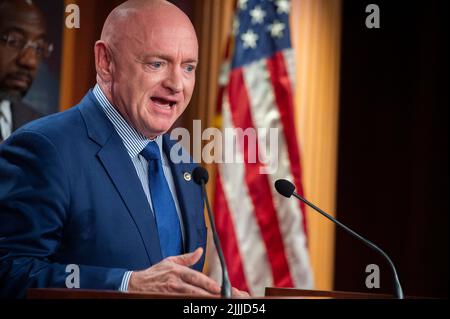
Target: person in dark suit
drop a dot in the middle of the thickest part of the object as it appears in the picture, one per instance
(94, 187)
(22, 48)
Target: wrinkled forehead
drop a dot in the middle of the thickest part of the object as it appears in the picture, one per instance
(163, 40)
(167, 35)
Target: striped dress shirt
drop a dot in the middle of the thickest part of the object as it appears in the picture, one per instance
(5, 119)
(134, 143)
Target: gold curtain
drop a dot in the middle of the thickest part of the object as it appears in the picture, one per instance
(78, 65)
(316, 26)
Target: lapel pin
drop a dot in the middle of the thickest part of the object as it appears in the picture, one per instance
(187, 176)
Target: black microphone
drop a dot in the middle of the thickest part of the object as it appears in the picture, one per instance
(287, 189)
(200, 176)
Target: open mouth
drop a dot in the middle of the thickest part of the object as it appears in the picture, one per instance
(162, 102)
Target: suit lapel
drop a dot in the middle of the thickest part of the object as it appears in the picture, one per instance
(191, 204)
(119, 167)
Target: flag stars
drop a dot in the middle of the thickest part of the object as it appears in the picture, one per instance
(276, 29)
(249, 39)
(283, 6)
(242, 4)
(257, 15)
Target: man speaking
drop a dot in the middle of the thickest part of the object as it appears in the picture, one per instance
(95, 187)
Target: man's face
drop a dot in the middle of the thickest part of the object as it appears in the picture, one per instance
(21, 22)
(153, 76)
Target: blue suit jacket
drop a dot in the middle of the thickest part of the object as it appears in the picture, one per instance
(69, 194)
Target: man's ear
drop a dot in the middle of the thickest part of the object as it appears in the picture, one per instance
(103, 62)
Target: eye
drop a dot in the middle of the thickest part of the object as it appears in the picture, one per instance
(16, 41)
(156, 65)
(41, 49)
(190, 68)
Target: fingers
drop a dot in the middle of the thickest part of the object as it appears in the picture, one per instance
(174, 275)
(200, 280)
(191, 278)
(239, 293)
(188, 289)
(187, 259)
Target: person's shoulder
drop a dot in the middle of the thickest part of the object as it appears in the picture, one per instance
(45, 135)
(61, 125)
(54, 125)
(26, 110)
(23, 113)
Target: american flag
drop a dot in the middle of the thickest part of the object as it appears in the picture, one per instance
(263, 235)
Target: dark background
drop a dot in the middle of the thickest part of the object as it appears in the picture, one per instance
(393, 146)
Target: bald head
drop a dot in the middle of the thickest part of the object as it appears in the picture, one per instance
(138, 19)
(145, 61)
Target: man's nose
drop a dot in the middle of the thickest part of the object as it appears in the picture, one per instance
(174, 81)
(28, 59)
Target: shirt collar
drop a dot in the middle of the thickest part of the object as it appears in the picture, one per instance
(134, 141)
(5, 111)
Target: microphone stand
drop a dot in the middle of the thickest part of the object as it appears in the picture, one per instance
(226, 286)
(398, 288)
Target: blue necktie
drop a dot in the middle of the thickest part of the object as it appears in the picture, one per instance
(163, 205)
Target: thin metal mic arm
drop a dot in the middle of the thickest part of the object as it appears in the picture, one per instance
(398, 288)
